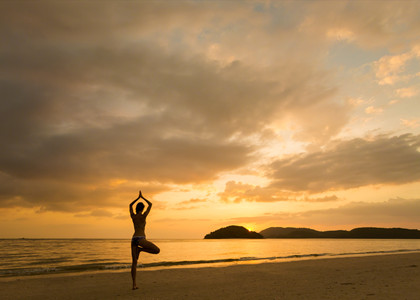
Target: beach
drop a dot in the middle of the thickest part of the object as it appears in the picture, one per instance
(395, 276)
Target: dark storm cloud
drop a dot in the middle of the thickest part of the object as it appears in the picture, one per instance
(349, 164)
(59, 119)
(95, 92)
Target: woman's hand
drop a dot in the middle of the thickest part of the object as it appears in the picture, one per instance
(141, 196)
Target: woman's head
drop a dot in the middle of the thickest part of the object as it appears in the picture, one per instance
(139, 207)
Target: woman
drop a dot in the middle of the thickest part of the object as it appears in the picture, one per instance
(139, 242)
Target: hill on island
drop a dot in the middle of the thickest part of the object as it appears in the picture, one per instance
(239, 232)
(362, 232)
(233, 232)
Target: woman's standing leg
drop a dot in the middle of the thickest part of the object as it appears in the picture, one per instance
(135, 251)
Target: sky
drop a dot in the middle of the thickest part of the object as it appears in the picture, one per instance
(251, 113)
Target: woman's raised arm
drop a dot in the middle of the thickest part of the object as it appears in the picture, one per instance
(149, 207)
(132, 203)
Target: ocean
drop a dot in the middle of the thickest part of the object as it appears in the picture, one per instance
(26, 257)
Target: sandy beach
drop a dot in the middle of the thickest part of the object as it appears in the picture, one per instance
(395, 276)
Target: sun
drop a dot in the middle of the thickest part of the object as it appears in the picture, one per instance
(250, 227)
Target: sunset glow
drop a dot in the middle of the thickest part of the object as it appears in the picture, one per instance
(252, 113)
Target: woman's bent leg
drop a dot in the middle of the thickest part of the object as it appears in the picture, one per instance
(148, 247)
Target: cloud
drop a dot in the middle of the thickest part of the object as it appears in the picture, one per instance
(343, 165)
(328, 198)
(92, 94)
(190, 204)
(356, 101)
(238, 192)
(340, 34)
(193, 201)
(365, 24)
(349, 164)
(406, 92)
(371, 110)
(96, 213)
(391, 69)
(98, 93)
(394, 212)
(61, 195)
(413, 123)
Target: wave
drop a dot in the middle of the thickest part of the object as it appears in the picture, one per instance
(103, 266)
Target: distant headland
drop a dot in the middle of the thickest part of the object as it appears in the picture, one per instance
(233, 231)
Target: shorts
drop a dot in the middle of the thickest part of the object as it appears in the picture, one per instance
(136, 240)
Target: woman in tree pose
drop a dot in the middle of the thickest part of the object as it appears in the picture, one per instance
(139, 242)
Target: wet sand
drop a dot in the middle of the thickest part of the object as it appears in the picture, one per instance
(395, 276)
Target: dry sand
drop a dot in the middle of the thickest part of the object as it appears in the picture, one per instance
(395, 276)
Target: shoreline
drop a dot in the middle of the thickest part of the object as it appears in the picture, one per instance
(204, 264)
(384, 276)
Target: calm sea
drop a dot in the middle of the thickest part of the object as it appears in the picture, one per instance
(20, 257)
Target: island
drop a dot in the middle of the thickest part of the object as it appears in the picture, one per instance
(233, 232)
(240, 232)
(356, 233)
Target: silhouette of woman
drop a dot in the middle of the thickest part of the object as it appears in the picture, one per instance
(139, 242)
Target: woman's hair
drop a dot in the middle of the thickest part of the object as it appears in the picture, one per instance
(139, 207)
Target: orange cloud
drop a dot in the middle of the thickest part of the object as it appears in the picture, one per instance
(398, 212)
(349, 164)
(101, 100)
